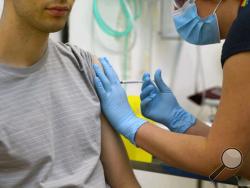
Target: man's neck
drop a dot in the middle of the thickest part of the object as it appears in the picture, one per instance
(21, 46)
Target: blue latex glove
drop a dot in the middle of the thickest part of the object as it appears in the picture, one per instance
(159, 104)
(114, 102)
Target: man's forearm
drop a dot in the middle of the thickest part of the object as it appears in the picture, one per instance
(199, 129)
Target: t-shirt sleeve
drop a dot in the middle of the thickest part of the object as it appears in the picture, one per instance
(238, 39)
(85, 61)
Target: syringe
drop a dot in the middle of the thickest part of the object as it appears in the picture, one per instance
(131, 82)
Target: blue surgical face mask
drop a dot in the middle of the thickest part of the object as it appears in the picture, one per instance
(194, 29)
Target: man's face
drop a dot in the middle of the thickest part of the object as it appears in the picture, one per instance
(44, 15)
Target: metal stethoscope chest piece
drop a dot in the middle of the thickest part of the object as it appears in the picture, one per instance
(231, 159)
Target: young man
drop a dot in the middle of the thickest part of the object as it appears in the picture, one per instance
(201, 149)
(52, 133)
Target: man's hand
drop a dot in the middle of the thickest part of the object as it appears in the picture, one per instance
(114, 101)
(159, 104)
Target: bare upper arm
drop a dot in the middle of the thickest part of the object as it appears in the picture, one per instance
(231, 128)
(118, 171)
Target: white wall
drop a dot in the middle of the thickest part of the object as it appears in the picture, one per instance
(1, 6)
(85, 33)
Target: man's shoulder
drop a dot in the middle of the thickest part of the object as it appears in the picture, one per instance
(66, 47)
(69, 49)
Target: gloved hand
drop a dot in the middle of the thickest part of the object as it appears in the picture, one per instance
(114, 102)
(159, 104)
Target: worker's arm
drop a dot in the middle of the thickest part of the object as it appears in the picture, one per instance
(244, 171)
(230, 130)
(192, 153)
(199, 129)
(117, 169)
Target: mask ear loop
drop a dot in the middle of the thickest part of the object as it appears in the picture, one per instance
(214, 13)
(216, 8)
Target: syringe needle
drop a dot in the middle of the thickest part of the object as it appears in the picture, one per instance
(131, 82)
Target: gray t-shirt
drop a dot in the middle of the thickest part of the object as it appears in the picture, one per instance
(50, 134)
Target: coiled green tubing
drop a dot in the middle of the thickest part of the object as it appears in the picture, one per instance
(129, 19)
